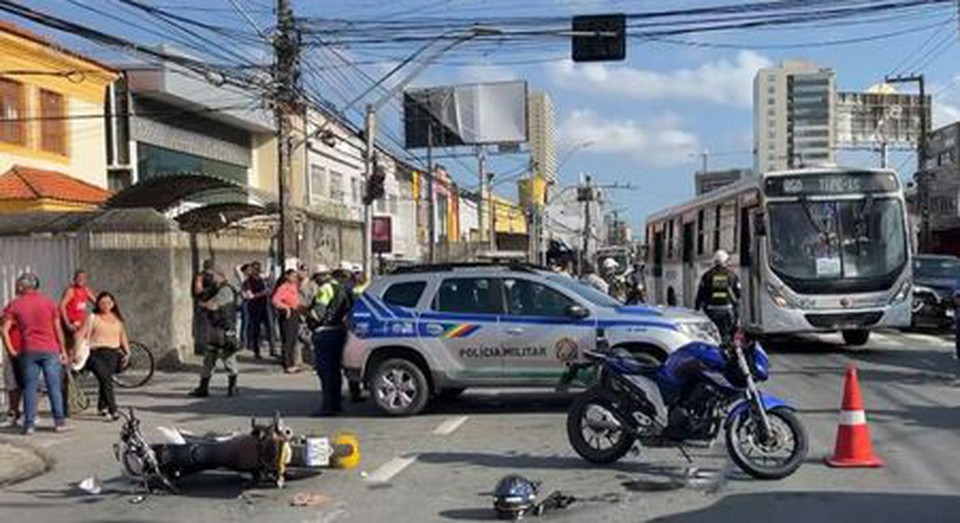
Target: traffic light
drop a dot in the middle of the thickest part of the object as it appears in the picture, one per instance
(374, 189)
(599, 38)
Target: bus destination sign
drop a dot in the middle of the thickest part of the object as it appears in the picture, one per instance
(830, 183)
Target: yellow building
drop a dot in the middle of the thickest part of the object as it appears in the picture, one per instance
(509, 218)
(51, 107)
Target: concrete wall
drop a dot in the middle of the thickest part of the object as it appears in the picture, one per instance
(151, 274)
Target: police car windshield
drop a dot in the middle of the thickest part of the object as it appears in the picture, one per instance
(585, 291)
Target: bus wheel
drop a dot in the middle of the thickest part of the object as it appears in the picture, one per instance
(856, 337)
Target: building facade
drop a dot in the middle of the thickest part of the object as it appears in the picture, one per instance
(793, 116)
(708, 181)
(542, 135)
(51, 105)
(171, 122)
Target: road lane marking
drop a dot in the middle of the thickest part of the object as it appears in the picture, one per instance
(450, 425)
(390, 469)
(923, 338)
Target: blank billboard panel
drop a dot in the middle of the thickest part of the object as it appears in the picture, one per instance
(491, 113)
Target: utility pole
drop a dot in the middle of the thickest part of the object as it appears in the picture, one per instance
(286, 47)
(370, 130)
(922, 177)
(481, 173)
(492, 211)
(587, 195)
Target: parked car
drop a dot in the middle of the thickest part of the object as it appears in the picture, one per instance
(934, 278)
(437, 330)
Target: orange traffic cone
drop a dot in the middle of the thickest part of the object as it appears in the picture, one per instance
(853, 447)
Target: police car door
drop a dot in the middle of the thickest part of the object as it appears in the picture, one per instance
(539, 336)
(463, 327)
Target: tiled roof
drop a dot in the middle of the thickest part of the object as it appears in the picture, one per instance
(25, 183)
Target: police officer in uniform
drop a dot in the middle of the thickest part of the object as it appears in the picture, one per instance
(221, 340)
(328, 320)
(719, 295)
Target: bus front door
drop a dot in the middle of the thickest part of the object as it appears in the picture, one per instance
(689, 267)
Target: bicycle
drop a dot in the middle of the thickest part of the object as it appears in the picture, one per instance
(137, 372)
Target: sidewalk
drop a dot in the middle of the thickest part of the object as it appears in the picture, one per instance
(19, 462)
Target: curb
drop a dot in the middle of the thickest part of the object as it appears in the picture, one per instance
(36, 462)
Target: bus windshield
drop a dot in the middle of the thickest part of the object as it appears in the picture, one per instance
(837, 239)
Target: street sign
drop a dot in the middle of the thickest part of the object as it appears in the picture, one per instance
(599, 38)
(382, 234)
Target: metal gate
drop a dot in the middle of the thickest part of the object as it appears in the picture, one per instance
(53, 259)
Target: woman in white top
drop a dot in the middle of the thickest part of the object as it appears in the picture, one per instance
(109, 349)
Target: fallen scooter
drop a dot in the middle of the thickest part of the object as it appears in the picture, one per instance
(269, 452)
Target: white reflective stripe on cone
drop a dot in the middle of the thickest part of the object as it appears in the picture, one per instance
(853, 417)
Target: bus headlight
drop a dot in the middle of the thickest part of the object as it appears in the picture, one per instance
(779, 298)
(902, 293)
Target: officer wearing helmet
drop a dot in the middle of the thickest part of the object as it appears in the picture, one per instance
(719, 295)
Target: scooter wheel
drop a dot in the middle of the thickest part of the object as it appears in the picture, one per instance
(346, 453)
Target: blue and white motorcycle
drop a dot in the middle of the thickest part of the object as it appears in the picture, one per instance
(699, 391)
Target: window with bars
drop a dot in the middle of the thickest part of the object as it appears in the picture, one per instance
(336, 186)
(53, 123)
(12, 112)
(317, 189)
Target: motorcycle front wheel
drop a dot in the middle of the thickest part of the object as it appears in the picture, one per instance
(597, 429)
(777, 457)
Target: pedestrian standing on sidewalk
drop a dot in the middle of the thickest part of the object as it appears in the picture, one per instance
(12, 377)
(75, 303)
(256, 295)
(286, 299)
(38, 320)
(202, 290)
(222, 341)
(106, 335)
(329, 336)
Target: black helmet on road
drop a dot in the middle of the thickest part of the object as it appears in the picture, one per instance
(514, 496)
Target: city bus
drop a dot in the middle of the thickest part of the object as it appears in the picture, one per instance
(817, 250)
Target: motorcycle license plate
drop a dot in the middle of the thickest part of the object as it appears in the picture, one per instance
(949, 313)
(317, 452)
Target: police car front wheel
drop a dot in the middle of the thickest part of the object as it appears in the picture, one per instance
(399, 387)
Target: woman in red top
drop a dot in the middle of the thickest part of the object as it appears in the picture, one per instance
(286, 299)
(75, 302)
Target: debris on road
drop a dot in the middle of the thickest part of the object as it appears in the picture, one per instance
(310, 499)
(91, 485)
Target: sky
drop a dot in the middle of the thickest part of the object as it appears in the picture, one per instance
(646, 119)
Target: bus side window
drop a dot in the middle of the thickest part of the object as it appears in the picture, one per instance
(745, 237)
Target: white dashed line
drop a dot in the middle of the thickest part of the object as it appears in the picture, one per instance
(390, 469)
(449, 425)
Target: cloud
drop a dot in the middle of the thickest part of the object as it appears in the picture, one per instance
(481, 73)
(660, 142)
(945, 105)
(720, 81)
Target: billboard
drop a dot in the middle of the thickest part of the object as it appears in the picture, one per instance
(473, 114)
(874, 118)
(381, 234)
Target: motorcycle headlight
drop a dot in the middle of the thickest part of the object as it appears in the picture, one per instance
(780, 299)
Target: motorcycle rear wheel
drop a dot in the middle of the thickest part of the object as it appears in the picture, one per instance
(785, 424)
(595, 419)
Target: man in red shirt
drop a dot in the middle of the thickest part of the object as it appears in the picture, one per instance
(38, 321)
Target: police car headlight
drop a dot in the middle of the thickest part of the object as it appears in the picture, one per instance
(903, 292)
(701, 331)
(779, 298)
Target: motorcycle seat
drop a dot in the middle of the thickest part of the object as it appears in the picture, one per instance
(210, 437)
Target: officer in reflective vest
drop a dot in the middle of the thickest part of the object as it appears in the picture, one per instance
(327, 320)
(719, 295)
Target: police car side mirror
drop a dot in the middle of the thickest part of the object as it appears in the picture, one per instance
(577, 312)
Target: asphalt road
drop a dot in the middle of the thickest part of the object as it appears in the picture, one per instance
(441, 465)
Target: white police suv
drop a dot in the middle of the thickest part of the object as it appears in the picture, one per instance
(439, 329)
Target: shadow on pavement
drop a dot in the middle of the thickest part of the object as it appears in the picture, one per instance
(824, 507)
(515, 461)
(263, 402)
